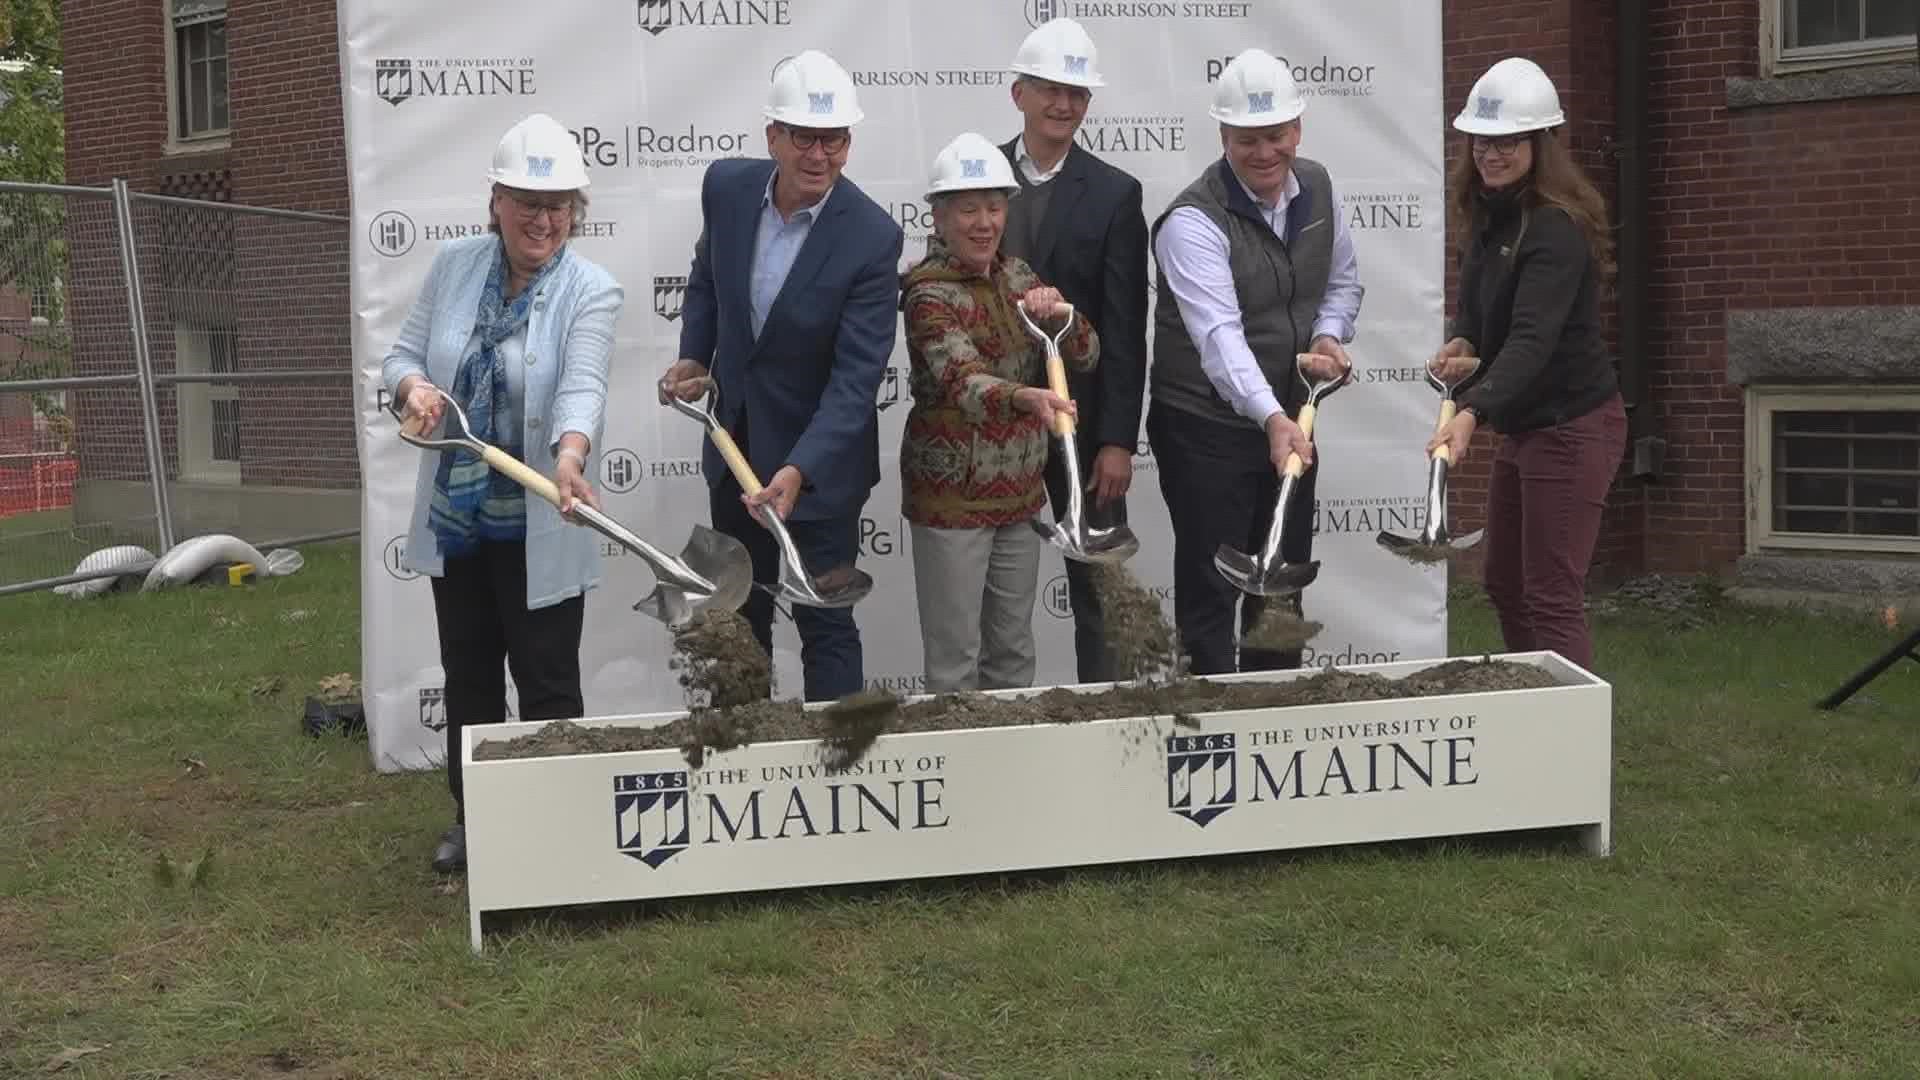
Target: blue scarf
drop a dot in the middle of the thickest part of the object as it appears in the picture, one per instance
(471, 502)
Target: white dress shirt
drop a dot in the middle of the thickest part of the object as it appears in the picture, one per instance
(1031, 169)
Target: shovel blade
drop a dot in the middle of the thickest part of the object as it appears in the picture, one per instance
(715, 556)
(722, 560)
(1111, 545)
(1467, 541)
(841, 587)
(1394, 541)
(1280, 579)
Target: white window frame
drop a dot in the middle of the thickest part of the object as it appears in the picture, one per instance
(198, 11)
(1762, 403)
(193, 405)
(1777, 59)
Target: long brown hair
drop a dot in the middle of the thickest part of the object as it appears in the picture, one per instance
(1558, 181)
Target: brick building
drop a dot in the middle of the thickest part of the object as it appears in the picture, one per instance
(220, 103)
(1760, 154)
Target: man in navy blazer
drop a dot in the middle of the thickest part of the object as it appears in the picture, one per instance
(792, 308)
(1078, 222)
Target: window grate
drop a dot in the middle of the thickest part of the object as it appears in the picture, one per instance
(1851, 473)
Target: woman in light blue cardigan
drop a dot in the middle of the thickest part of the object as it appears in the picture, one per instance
(517, 327)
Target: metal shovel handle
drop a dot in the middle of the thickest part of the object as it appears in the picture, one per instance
(1056, 367)
(1447, 407)
(458, 433)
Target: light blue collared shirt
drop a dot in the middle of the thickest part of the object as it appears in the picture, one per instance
(1192, 251)
(776, 244)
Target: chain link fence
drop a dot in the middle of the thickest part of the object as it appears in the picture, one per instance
(168, 368)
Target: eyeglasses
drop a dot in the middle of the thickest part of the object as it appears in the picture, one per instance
(530, 209)
(830, 142)
(1504, 145)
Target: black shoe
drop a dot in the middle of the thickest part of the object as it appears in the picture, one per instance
(451, 856)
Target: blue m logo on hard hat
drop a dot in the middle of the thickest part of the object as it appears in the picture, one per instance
(973, 168)
(1260, 102)
(539, 166)
(1487, 108)
(1075, 65)
(819, 103)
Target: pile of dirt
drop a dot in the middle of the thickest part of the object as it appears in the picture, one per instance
(850, 726)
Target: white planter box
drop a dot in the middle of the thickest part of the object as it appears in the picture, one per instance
(546, 832)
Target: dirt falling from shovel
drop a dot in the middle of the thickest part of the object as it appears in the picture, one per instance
(1281, 629)
(1140, 641)
(721, 663)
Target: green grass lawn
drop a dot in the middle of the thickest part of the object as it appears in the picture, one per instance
(1759, 917)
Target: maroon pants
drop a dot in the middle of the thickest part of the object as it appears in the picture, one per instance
(1543, 520)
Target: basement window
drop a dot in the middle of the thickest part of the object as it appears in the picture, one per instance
(1836, 470)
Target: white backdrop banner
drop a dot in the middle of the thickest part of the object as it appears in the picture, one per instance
(655, 90)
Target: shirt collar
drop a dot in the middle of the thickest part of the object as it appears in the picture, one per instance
(1287, 192)
(1032, 167)
(812, 212)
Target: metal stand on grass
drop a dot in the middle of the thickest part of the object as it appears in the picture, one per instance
(1910, 648)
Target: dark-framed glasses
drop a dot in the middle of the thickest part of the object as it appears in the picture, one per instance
(830, 141)
(1504, 145)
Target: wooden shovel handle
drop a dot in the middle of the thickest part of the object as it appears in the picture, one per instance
(1294, 466)
(1447, 412)
(736, 461)
(1057, 382)
(522, 473)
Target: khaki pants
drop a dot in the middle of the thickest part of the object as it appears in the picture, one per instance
(976, 589)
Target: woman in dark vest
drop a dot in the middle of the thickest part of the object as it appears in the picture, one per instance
(1529, 308)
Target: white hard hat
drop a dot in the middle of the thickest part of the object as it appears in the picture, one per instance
(971, 163)
(812, 91)
(1060, 51)
(538, 154)
(1514, 96)
(1256, 90)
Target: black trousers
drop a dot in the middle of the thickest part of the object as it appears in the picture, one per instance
(480, 605)
(1092, 661)
(1220, 487)
(831, 661)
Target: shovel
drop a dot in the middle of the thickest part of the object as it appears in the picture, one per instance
(840, 587)
(1265, 574)
(1434, 542)
(712, 571)
(1070, 532)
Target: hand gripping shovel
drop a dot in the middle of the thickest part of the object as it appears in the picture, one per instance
(712, 571)
(840, 587)
(1070, 533)
(1265, 574)
(1434, 542)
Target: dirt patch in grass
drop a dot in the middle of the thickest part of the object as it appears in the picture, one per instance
(706, 731)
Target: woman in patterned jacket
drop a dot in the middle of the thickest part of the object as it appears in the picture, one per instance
(973, 459)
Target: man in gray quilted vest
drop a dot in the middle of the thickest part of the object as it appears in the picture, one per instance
(1255, 267)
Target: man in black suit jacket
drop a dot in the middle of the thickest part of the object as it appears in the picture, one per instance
(792, 309)
(1078, 222)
